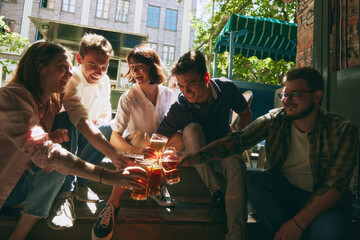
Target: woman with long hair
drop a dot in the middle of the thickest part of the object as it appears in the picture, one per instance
(30, 150)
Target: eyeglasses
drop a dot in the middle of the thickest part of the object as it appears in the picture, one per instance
(296, 95)
(137, 67)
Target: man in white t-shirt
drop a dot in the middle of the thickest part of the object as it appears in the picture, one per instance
(87, 106)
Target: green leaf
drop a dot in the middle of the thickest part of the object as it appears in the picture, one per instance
(11, 42)
(246, 69)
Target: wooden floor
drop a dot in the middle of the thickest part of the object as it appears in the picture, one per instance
(145, 219)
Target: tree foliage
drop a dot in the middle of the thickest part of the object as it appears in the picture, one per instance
(10, 42)
(247, 69)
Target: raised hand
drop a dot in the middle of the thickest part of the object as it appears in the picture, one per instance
(188, 159)
(120, 161)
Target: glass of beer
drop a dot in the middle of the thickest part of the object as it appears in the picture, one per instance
(169, 162)
(151, 154)
(141, 193)
(154, 185)
(158, 142)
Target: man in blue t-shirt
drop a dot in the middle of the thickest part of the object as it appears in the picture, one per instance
(202, 112)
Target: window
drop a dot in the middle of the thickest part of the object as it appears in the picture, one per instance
(47, 4)
(122, 11)
(10, 24)
(38, 35)
(113, 68)
(153, 16)
(153, 46)
(68, 5)
(168, 54)
(170, 19)
(102, 10)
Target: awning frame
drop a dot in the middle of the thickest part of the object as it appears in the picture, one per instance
(246, 27)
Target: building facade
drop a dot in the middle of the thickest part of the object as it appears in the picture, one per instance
(166, 23)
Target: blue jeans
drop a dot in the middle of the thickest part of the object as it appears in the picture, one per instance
(227, 174)
(38, 190)
(276, 201)
(79, 146)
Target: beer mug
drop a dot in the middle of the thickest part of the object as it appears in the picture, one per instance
(158, 142)
(141, 193)
(169, 161)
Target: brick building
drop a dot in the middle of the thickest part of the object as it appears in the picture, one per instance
(328, 39)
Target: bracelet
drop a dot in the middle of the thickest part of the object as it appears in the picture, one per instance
(298, 225)
(101, 173)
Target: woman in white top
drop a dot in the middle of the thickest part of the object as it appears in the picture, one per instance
(140, 112)
(28, 105)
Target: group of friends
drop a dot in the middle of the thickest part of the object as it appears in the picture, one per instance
(56, 127)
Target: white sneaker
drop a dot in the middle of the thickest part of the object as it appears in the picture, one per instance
(164, 199)
(62, 214)
(85, 194)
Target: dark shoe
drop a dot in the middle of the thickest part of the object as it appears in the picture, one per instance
(217, 211)
(62, 214)
(103, 228)
(164, 199)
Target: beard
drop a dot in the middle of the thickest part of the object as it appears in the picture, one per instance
(306, 112)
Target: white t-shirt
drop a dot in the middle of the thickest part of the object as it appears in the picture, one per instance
(136, 112)
(297, 169)
(85, 100)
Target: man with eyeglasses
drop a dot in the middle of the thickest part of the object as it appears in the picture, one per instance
(311, 155)
(202, 113)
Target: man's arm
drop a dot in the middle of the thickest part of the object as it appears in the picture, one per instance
(232, 144)
(337, 182)
(322, 200)
(97, 139)
(121, 144)
(174, 120)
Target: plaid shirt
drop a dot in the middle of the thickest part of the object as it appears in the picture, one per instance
(333, 147)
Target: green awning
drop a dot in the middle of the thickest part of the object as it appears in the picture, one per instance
(260, 37)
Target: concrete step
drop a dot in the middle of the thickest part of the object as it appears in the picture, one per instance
(145, 219)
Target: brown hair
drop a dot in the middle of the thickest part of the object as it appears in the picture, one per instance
(190, 61)
(27, 71)
(148, 56)
(97, 43)
(312, 77)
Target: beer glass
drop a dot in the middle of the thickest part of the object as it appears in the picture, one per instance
(141, 193)
(154, 185)
(151, 154)
(158, 142)
(169, 162)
